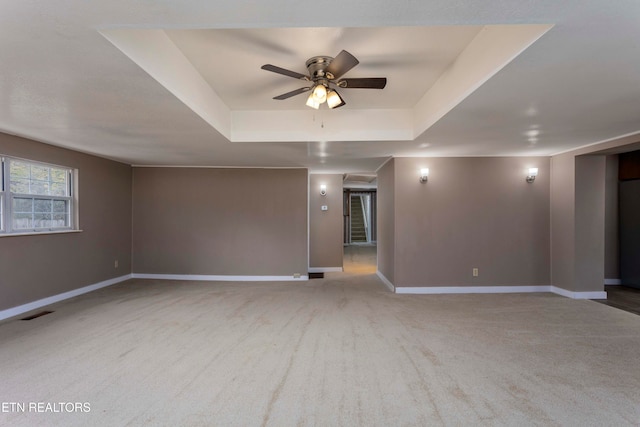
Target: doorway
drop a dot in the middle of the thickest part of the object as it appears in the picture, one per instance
(360, 215)
(360, 234)
(622, 238)
(629, 218)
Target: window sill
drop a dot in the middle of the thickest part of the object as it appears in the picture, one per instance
(38, 233)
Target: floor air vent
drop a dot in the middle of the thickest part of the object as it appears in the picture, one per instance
(316, 275)
(35, 316)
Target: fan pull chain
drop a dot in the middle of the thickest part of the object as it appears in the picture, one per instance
(321, 121)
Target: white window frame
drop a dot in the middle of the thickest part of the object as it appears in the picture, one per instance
(7, 198)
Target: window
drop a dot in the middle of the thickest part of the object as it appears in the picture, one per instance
(35, 197)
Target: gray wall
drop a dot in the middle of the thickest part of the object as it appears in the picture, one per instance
(611, 242)
(589, 222)
(386, 220)
(563, 221)
(38, 266)
(578, 188)
(473, 212)
(564, 199)
(325, 227)
(208, 221)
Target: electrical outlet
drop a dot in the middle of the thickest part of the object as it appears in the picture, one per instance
(296, 275)
(475, 272)
(115, 264)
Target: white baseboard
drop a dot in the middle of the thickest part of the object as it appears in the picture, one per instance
(579, 295)
(219, 278)
(15, 311)
(432, 290)
(470, 289)
(612, 282)
(325, 269)
(386, 281)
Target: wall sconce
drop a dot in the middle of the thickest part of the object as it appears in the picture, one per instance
(531, 176)
(424, 175)
(323, 190)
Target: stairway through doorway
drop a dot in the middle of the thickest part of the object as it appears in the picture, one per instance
(358, 230)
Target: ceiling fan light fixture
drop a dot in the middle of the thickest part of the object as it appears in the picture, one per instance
(324, 75)
(320, 93)
(311, 102)
(334, 100)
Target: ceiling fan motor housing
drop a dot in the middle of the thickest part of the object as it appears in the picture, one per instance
(325, 74)
(316, 67)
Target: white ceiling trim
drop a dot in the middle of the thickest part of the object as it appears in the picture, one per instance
(217, 167)
(492, 49)
(628, 139)
(322, 125)
(155, 53)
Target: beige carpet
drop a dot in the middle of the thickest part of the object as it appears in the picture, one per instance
(336, 351)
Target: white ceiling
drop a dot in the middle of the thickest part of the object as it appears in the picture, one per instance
(63, 80)
(230, 61)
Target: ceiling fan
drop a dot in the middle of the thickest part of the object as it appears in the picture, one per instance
(325, 75)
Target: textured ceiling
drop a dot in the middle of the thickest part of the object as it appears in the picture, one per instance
(63, 82)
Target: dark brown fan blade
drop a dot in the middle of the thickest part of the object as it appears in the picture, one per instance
(292, 93)
(365, 83)
(285, 72)
(341, 64)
